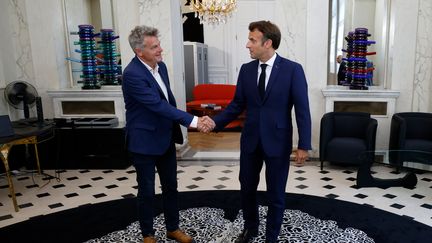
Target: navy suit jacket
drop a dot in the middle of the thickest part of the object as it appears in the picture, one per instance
(269, 120)
(151, 121)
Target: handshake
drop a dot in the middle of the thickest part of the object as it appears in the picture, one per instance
(205, 124)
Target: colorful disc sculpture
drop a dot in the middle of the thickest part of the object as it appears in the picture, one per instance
(109, 68)
(358, 73)
(98, 67)
(88, 58)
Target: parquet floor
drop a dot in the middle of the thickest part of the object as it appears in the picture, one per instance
(226, 141)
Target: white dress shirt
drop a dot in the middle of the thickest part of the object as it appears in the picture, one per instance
(158, 78)
(269, 68)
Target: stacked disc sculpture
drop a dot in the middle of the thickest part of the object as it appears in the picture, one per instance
(98, 62)
(109, 68)
(87, 44)
(357, 72)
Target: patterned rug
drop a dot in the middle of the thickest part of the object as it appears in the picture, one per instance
(215, 216)
(208, 225)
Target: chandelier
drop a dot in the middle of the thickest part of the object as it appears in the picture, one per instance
(213, 11)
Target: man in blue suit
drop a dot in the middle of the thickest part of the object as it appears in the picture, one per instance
(152, 129)
(268, 88)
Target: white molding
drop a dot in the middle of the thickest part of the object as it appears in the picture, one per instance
(114, 95)
(343, 91)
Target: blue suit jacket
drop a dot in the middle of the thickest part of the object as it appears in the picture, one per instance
(270, 119)
(151, 121)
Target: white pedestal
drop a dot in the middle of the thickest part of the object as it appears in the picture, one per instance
(72, 103)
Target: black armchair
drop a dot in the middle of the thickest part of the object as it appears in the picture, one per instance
(344, 136)
(410, 132)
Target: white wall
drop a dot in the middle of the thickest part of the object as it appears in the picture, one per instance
(47, 48)
(316, 63)
(402, 51)
(380, 37)
(4, 23)
(422, 90)
(17, 59)
(363, 14)
(125, 19)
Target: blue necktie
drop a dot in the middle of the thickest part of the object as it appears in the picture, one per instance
(261, 80)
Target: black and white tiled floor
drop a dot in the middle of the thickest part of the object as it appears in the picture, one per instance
(37, 195)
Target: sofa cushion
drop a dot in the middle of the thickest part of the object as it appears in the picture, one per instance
(346, 150)
(218, 94)
(214, 92)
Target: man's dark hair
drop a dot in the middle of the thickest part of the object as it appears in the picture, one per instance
(269, 30)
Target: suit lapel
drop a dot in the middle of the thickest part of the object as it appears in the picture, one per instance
(164, 76)
(273, 76)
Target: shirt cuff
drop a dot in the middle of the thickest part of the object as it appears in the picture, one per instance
(194, 123)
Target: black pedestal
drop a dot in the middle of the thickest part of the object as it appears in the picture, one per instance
(91, 148)
(75, 147)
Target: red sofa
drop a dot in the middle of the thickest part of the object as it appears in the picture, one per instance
(217, 94)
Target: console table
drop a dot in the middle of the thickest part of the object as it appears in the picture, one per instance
(25, 133)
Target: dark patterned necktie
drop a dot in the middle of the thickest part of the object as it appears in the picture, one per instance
(261, 80)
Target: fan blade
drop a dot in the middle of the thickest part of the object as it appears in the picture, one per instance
(20, 88)
(14, 99)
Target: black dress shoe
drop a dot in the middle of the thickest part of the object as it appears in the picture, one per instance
(246, 235)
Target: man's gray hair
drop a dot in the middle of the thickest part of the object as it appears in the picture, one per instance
(136, 37)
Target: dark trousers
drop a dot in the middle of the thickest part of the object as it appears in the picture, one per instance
(276, 175)
(166, 165)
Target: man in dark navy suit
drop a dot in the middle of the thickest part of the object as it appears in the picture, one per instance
(341, 70)
(268, 88)
(152, 129)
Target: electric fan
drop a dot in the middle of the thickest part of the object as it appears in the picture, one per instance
(21, 95)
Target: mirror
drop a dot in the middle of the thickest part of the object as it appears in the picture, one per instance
(99, 14)
(346, 16)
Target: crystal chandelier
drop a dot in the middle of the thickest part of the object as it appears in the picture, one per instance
(213, 11)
